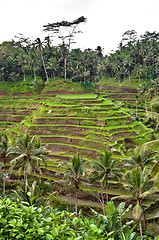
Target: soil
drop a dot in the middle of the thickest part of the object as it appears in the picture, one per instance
(121, 89)
(23, 94)
(3, 94)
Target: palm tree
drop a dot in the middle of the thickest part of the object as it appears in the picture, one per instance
(116, 68)
(33, 60)
(104, 168)
(39, 45)
(151, 145)
(52, 65)
(23, 61)
(138, 71)
(140, 187)
(75, 173)
(144, 159)
(128, 62)
(28, 153)
(4, 145)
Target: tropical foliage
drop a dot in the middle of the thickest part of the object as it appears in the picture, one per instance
(28, 154)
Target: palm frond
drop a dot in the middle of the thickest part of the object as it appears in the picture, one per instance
(151, 145)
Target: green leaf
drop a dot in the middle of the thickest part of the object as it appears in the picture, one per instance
(49, 236)
(155, 170)
(137, 210)
(20, 222)
(110, 209)
(78, 238)
(55, 232)
(120, 208)
(93, 227)
(12, 222)
(75, 220)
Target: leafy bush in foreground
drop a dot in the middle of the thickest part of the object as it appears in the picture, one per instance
(19, 221)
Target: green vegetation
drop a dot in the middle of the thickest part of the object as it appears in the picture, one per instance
(104, 113)
(21, 221)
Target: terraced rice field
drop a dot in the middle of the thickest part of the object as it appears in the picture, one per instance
(75, 123)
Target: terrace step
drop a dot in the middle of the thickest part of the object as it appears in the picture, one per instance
(121, 89)
(118, 135)
(14, 112)
(68, 121)
(8, 118)
(56, 130)
(73, 150)
(74, 141)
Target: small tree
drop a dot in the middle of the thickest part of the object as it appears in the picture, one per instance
(140, 187)
(4, 145)
(74, 174)
(104, 168)
(28, 153)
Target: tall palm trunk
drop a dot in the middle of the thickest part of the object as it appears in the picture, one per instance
(26, 180)
(47, 79)
(23, 72)
(145, 104)
(106, 188)
(103, 203)
(34, 74)
(65, 67)
(129, 78)
(76, 201)
(39, 172)
(140, 225)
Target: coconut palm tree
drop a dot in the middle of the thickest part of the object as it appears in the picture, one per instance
(22, 59)
(151, 145)
(74, 174)
(138, 71)
(104, 168)
(33, 60)
(52, 65)
(4, 145)
(145, 159)
(140, 187)
(128, 62)
(28, 153)
(39, 45)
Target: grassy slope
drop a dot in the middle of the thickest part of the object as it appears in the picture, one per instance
(76, 105)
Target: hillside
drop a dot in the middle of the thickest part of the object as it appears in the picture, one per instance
(76, 122)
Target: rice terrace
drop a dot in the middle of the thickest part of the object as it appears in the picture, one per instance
(79, 139)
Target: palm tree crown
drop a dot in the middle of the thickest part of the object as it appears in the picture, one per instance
(28, 153)
(103, 168)
(75, 173)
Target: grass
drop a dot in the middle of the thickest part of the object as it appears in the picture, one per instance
(77, 96)
(116, 83)
(67, 85)
(89, 108)
(16, 87)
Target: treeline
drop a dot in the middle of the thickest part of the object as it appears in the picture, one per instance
(137, 57)
(21, 58)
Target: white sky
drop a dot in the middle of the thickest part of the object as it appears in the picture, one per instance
(107, 20)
